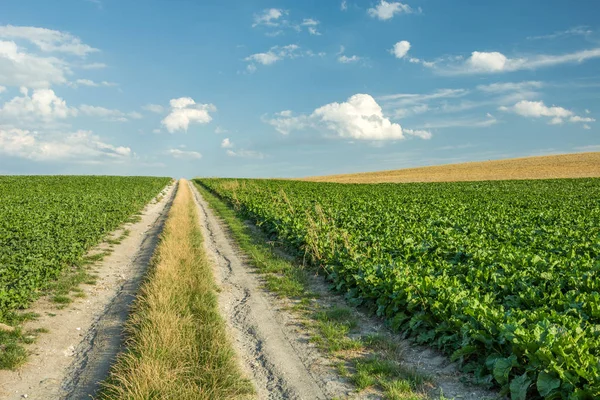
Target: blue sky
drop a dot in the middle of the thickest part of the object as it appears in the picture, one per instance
(292, 88)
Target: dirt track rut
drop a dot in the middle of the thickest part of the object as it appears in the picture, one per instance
(268, 349)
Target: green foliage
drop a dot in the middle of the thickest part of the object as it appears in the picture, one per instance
(504, 276)
(47, 223)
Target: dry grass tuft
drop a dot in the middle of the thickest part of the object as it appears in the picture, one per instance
(177, 346)
(579, 165)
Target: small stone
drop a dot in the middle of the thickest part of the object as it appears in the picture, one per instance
(25, 396)
(78, 329)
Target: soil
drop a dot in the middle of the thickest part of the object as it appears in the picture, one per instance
(579, 165)
(273, 342)
(85, 337)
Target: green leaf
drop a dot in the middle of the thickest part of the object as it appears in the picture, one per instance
(519, 386)
(502, 368)
(546, 383)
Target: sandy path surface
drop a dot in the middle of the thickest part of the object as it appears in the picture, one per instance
(274, 352)
(84, 338)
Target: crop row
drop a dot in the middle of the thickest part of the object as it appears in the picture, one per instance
(48, 223)
(503, 276)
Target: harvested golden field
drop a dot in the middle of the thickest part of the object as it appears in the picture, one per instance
(578, 165)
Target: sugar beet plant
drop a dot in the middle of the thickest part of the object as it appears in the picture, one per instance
(48, 222)
(502, 276)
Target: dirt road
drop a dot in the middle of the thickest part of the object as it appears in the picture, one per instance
(84, 338)
(274, 354)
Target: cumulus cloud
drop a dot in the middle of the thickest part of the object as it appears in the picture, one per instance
(81, 146)
(47, 40)
(385, 10)
(344, 5)
(19, 68)
(184, 154)
(400, 49)
(481, 62)
(185, 111)
(226, 143)
(43, 104)
(108, 114)
(537, 109)
(360, 118)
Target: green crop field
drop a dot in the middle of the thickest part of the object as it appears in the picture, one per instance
(503, 276)
(48, 223)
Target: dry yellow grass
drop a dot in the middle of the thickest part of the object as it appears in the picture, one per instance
(579, 165)
(177, 346)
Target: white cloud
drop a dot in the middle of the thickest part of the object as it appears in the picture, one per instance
(385, 10)
(360, 118)
(405, 99)
(347, 60)
(269, 17)
(274, 20)
(423, 134)
(577, 118)
(462, 123)
(587, 111)
(245, 154)
(226, 143)
(219, 130)
(2, 89)
(313, 31)
(108, 114)
(93, 66)
(400, 49)
(185, 111)
(312, 26)
(284, 122)
(510, 86)
(264, 58)
(577, 31)
(495, 62)
(275, 54)
(47, 40)
(155, 108)
(90, 83)
(344, 5)
(43, 104)
(81, 146)
(537, 109)
(18, 68)
(586, 126)
(184, 154)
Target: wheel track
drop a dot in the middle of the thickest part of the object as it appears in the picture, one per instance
(267, 352)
